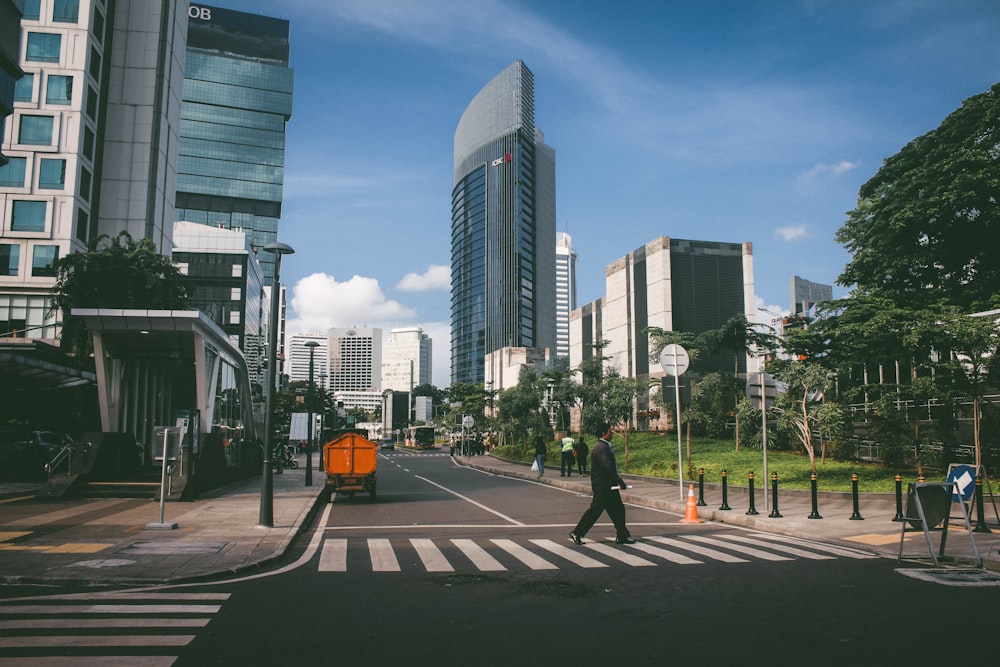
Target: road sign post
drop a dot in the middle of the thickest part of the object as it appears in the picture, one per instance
(675, 361)
(762, 391)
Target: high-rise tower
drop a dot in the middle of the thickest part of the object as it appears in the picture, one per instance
(237, 99)
(565, 290)
(502, 227)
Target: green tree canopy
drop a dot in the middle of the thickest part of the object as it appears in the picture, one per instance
(117, 272)
(927, 226)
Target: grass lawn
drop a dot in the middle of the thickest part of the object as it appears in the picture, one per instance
(655, 455)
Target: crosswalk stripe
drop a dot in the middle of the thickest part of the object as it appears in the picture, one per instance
(382, 555)
(479, 557)
(109, 609)
(571, 555)
(523, 555)
(333, 557)
(618, 554)
(701, 551)
(665, 554)
(72, 641)
(784, 548)
(826, 548)
(431, 556)
(749, 551)
(57, 623)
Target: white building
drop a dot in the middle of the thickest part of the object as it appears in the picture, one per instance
(406, 359)
(355, 360)
(297, 358)
(92, 142)
(565, 290)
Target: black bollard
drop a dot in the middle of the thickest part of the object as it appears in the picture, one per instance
(775, 514)
(981, 526)
(753, 510)
(725, 493)
(856, 516)
(899, 498)
(815, 511)
(701, 487)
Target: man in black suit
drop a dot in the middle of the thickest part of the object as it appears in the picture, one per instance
(606, 484)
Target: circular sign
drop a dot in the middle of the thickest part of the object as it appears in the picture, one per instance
(468, 421)
(675, 360)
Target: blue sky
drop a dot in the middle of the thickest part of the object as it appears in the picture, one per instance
(755, 121)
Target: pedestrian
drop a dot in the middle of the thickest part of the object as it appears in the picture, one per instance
(541, 451)
(582, 452)
(566, 461)
(606, 484)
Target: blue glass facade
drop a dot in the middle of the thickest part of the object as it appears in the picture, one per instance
(503, 227)
(237, 99)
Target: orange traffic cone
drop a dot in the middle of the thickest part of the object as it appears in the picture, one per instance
(691, 510)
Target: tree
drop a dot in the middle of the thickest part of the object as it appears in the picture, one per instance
(124, 273)
(799, 408)
(927, 225)
(520, 408)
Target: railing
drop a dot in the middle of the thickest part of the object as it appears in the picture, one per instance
(65, 455)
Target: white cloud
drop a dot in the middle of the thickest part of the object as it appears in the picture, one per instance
(437, 277)
(768, 313)
(319, 302)
(791, 232)
(836, 169)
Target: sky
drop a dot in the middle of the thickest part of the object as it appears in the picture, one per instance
(751, 121)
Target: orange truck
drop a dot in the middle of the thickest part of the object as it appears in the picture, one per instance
(350, 460)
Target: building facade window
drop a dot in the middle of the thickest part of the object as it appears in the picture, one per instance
(28, 216)
(95, 64)
(91, 106)
(88, 143)
(10, 254)
(58, 89)
(24, 89)
(82, 223)
(66, 11)
(43, 260)
(32, 9)
(85, 180)
(52, 174)
(36, 130)
(43, 47)
(12, 173)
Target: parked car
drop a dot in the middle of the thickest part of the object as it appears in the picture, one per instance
(24, 453)
(387, 443)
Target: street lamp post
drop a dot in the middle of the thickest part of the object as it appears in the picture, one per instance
(312, 345)
(266, 518)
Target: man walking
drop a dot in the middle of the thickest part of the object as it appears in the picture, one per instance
(606, 484)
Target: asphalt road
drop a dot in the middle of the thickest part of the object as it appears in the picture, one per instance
(451, 566)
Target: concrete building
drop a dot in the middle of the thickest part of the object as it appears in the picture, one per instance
(91, 143)
(237, 101)
(673, 284)
(10, 49)
(503, 227)
(565, 290)
(803, 295)
(355, 359)
(297, 362)
(406, 359)
(224, 281)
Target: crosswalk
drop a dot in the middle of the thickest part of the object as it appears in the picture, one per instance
(502, 554)
(103, 628)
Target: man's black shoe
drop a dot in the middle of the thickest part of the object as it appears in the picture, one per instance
(624, 540)
(575, 539)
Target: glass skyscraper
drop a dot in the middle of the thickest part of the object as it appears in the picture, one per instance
(502, 227)
(237, 99)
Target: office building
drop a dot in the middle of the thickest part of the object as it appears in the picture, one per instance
(565, 290)
(673, 284)
(299, 354)
(91, 143)
(803, 295)
(502, 228)
(237, 100)
(224, 281)
(355, 359)
(10, 48)
(406, 359)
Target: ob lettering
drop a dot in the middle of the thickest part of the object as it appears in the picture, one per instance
(203, 13)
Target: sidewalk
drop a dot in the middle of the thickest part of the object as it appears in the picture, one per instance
(107, 542)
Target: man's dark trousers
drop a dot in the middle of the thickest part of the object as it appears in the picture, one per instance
(609, 501)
